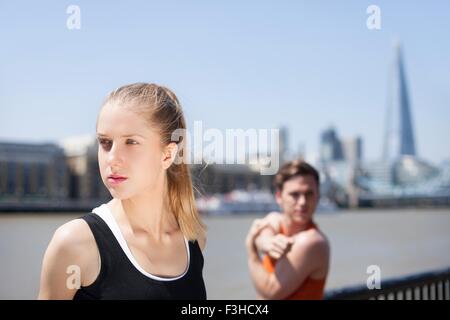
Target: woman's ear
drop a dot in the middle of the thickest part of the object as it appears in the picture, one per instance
(169, 154)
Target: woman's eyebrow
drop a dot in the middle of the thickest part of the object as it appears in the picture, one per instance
(132, 135)
(124, 136)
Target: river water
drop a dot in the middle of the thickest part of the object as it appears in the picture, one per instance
(400, 242)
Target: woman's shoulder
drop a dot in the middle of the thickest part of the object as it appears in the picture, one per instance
(74, 240)
(72, 249)
(73, 232)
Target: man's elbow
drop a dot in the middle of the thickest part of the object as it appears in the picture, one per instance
(272, 291)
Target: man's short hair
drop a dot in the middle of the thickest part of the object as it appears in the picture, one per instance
(294, 168)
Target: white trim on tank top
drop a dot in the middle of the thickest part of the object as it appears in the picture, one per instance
(104, 213)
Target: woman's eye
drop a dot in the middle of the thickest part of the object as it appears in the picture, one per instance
(131, 141)
(106, 144)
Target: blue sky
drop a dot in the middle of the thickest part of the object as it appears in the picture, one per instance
(233, 64)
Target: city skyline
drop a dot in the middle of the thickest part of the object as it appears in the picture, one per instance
(232, 65)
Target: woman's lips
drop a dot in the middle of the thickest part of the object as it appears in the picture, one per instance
(116, 180)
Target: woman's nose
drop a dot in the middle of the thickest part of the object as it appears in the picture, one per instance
(114, 155)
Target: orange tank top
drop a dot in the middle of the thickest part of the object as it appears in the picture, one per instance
(310, 289)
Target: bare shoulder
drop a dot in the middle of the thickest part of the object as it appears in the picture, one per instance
(274, 220)
(72, 246)
(313, 241)
(75, 241)
(73, 235)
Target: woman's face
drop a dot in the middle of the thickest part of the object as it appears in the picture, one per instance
(129, 154)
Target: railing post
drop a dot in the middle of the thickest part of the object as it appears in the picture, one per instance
(447, 290)
(418, 296)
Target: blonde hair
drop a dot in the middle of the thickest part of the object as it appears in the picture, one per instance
(161, 108)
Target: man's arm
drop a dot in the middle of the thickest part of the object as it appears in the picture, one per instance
(269, 240)
(262, 242)
(291, 271)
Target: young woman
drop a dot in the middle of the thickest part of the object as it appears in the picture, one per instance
(147, 242)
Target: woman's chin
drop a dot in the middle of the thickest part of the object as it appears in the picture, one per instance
(119, 195)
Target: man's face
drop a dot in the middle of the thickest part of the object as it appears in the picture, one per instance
(299, 198)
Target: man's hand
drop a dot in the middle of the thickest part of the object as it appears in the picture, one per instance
(278, 245)
(270, 241)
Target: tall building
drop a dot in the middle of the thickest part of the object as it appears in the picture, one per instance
(283, 144)
(330, 146)
(399, 133)
(352, 149)
(399, 167)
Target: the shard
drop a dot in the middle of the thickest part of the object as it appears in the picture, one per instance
(399, 134)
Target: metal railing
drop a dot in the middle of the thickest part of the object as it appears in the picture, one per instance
(433, 285)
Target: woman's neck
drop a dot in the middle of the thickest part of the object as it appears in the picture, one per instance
(147, 212)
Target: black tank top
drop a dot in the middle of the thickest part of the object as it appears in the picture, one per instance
(119, 279)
